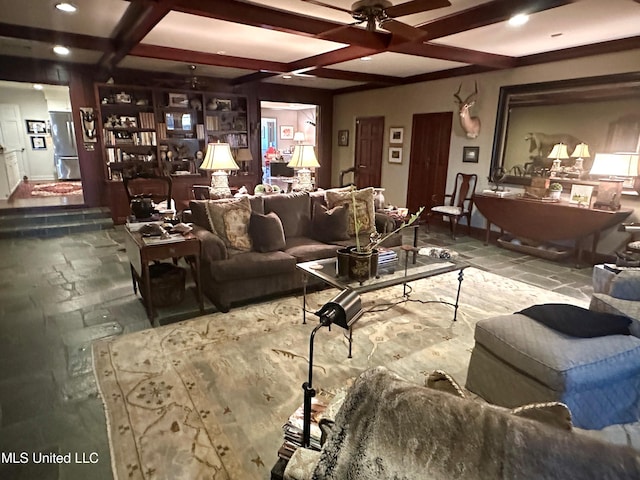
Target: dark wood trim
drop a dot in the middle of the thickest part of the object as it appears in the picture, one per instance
(71, 40)
(455, 54)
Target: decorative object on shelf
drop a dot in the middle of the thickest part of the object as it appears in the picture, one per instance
(343, 138)
(180, 100)
(123, 97)
(558, 153)
(470, 125)
(38, 143)
(396, 135)
(621, 170)
(286, 132)
(470, 154)
(581, 152)
(303, 159)
(581, 194)
(220, 161)
(342, 310)
(395, 154)
(555, 190)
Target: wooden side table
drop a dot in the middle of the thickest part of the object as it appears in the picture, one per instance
(141, 253)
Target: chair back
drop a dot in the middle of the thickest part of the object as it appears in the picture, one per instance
(463, 190)
(155, 186)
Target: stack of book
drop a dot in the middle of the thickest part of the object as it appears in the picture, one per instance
(387, 258)
(293, 430)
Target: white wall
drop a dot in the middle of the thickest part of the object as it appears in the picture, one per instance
(399, 104)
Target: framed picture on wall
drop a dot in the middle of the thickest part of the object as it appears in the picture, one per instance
(35, 127)
(38, 143)
(470, 154)
(343, 138)
(286, 132)
(395, 154)
(396, 135)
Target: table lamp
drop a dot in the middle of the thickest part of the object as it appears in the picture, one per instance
(621, 169)
(581, 152)
(559, 152)
(242, 157)
(298, 137)
(220, 161)
(304, 158)
(343, 310)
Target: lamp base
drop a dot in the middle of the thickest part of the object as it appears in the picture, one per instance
(220, 184)
(304, 180)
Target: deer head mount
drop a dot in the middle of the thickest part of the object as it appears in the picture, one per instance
(471, 125)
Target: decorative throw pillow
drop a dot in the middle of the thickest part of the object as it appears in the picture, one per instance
(330, 225)
(229, 219)
(578, 321)
(266, 232)
(364, 210)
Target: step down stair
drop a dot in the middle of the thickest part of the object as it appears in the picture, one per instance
(52, 221)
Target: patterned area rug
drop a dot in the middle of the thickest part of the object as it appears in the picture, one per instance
(56, 189)
(207, 398)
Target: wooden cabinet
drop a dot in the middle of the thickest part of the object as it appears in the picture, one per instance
(9, 173)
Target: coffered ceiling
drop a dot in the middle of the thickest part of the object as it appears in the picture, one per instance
(312, 43)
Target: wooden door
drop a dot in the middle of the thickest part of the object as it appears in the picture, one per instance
(368, 156)
(429, 161)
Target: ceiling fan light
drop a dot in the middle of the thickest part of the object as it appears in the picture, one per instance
(518, 20)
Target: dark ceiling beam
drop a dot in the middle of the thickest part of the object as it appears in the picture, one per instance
(71, 40)
(204, 58)
(331, 58)
(253, 77)
(485, 14)
(283, 21)
(335, 74)
(138, 20)
(455, 54)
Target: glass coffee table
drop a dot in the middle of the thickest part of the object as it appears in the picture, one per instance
(408, 268)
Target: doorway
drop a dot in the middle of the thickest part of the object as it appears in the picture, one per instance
(368, 154)
(429, 159)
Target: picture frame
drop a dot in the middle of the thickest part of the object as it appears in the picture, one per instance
(395, 154)
(286, 132)
(38, 143)
(35, 127)
(180, 100)
(343, 138)
(470, 154)
(123, 97)
(396, 135)
(581, 194)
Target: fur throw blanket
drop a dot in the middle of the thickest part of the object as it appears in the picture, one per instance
(389, 428)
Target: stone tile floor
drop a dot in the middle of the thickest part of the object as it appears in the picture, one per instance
(59, 294)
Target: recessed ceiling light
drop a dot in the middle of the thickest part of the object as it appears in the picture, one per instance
(518, 20)
(66, 7)
(365, 59)
(221, 52)
(287, 76)
(60, 50)
(37, 86)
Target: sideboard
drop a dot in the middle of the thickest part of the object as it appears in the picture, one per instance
(543, 221)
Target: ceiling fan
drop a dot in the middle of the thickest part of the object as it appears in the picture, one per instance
(382, 14)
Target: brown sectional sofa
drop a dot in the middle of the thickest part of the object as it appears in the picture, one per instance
(230, 276)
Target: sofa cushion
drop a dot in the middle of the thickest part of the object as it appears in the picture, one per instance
(306, 249)
(266, 232)
(229, 219)
(577, 321)
(330, 225)
(364, 211)
(199, 213)
(294, 210)
(243, 265)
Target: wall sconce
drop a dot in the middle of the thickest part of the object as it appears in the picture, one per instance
(220, 161)
(559, 153)
(621, 170)
(343, 310)
(303, 159)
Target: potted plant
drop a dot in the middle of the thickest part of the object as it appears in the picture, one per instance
(555, 189)
(362, 260)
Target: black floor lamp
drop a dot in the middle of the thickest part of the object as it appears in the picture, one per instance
(343, 310)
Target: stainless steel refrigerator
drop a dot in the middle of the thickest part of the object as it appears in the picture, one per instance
(65, 151)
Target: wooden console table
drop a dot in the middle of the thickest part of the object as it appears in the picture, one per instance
(547, 221)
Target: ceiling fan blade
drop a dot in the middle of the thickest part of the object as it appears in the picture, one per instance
(337, 29)
(322, 4)
(403, 30)
(415, 6)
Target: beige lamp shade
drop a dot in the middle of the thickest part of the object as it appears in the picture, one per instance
(615, 164)
(244, 155)
(219, 157)
(559, 151)
(298, 137)
(303, 156)
(581, 151)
